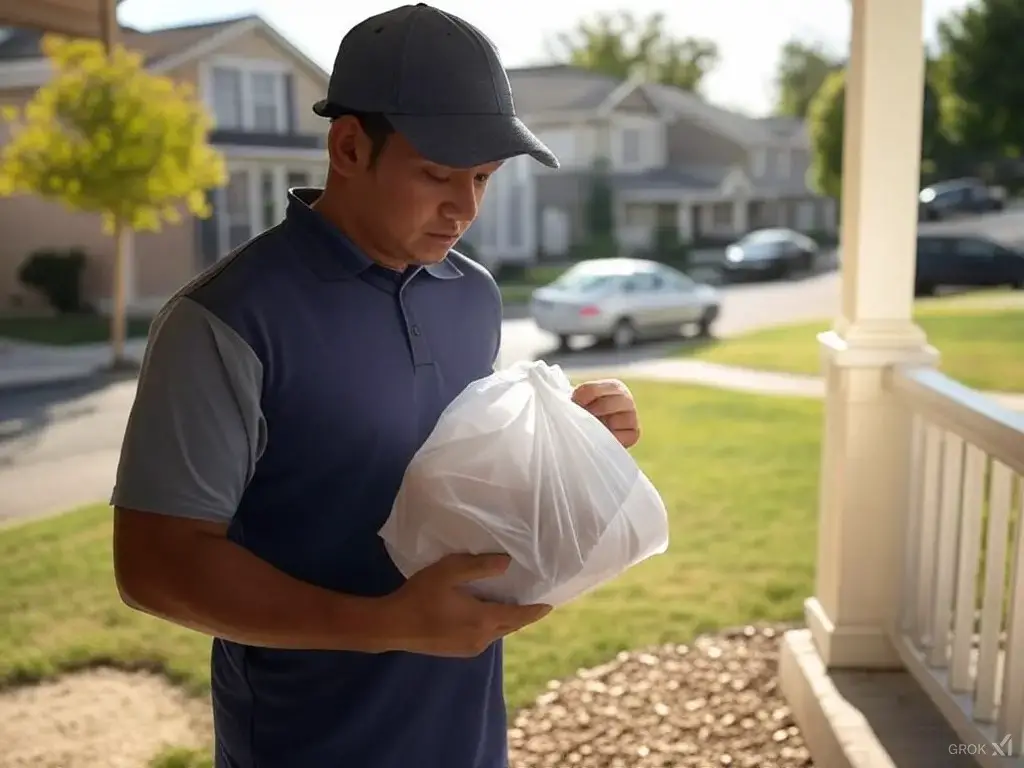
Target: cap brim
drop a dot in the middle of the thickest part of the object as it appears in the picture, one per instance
(323, 108)
(465, 141)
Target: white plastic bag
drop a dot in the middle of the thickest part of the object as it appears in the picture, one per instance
(514, 466)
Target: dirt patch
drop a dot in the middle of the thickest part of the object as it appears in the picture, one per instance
(98, 719)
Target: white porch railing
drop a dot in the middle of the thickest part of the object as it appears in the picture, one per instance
(961, 629)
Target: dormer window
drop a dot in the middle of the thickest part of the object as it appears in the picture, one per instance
(249, 96)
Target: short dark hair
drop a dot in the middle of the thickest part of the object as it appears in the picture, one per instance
(374, 124)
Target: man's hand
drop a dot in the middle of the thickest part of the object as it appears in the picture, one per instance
(611, 401)
(433, 614)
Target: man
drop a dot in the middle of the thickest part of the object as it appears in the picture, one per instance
(283, 394)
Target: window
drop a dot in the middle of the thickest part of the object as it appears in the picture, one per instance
(759, 162)
(251, 98)
(266, 101)
(238, 216)
(227, 97)
(297, 179)
(721, 215)
(975, 249)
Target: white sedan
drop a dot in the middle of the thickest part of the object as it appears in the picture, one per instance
(623, 300)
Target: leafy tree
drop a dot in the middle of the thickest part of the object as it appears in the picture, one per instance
(802, 70)
(825, 124)
(621, 45)
(982, 59)
(109, 137)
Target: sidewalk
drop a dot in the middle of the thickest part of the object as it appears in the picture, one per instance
(23, 365)
(33, 365)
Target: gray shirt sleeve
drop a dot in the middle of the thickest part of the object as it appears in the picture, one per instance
(196, 430)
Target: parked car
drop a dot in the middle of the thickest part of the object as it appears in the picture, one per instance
(770, 253)
(947, 199)
(966, 261)
(622, 300)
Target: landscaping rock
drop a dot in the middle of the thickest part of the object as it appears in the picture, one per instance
(713, 703)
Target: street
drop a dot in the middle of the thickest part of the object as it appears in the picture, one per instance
(59, 444)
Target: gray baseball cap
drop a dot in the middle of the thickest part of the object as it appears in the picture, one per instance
(440, 83)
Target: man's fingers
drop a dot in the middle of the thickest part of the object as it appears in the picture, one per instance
(509, 618)
(587, 393)
(464, 568)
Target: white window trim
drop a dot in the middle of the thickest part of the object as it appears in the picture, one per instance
(652, 136)
(255, 170)
(247, 67)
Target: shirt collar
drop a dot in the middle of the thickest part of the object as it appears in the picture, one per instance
(330, 254)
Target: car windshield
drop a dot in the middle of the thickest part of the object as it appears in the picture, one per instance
(764, 237)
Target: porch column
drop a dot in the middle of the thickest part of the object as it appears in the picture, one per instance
(739, 215)
(866, 443)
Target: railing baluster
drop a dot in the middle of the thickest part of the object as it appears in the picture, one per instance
(1000, 487)
(912, 537)
(945, 563)
(1011, 706)
(929, 534)
(960, 677)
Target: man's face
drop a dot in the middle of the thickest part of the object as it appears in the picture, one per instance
(413, 209)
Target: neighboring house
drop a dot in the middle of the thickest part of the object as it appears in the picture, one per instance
(260, 89)
(675, 161)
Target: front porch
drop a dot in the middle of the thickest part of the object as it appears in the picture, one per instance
(914, 652)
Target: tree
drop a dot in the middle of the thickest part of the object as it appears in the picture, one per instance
(825, 120)
(982, 60)
(802, 70)
(825, 124)
(621, 45)
(107, 136)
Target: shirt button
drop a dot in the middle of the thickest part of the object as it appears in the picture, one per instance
(415, 330)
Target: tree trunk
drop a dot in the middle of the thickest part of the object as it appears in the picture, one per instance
(119, 306)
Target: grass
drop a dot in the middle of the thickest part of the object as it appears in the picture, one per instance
(982, 346)
(518, 290)
(66, 330)
(737, 472)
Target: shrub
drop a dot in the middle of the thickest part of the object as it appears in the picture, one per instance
(58, 276)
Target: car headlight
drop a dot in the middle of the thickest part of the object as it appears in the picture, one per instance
(734, 253)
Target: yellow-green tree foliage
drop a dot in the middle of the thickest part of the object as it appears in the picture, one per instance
(108, 136)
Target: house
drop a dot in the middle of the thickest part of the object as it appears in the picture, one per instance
(259, 88)
(673, 159)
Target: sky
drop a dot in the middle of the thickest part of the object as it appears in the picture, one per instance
(749, 33)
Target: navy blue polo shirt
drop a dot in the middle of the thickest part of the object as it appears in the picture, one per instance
(284, 392)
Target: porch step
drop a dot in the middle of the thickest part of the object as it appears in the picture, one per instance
(865, 719)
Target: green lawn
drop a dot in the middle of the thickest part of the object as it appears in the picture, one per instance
(738, 474)
(66, 330)
(518, 290)
(982, 346)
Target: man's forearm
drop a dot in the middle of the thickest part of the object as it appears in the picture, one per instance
(227, 592)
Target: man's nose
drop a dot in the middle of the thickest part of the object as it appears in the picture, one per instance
(462, 204)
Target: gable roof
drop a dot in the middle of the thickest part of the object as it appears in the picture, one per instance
(566, 88)
(168, 47)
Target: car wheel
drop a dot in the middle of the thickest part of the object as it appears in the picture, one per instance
(706, 321)
(924, 289)
(624, 334)
(563, 343)
(1019, 285)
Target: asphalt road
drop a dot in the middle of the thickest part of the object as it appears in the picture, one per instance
(59, 444)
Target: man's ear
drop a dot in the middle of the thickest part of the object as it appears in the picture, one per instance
(348, 147)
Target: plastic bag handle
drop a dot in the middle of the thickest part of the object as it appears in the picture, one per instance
(551, 378)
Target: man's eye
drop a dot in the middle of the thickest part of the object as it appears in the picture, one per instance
(482, 178)
(436, 176)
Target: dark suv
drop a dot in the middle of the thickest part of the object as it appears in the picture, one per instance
(965, 260)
